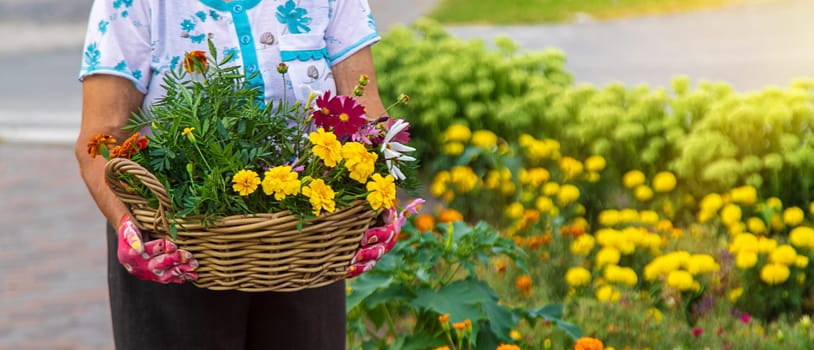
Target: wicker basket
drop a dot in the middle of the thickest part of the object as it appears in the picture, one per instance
(252, 253)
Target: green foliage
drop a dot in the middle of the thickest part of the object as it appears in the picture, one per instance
(428, 275)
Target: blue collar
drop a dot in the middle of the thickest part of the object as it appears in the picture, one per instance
(221, 5)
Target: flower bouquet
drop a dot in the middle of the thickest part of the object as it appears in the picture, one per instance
(266, 196)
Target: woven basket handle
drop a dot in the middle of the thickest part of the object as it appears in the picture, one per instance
(116, 167)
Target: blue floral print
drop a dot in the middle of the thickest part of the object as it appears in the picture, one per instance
(103, 26)
(187, 25)
(201, 15)
(197, 39)
(215, 16)
(92, 56)
(294, 17)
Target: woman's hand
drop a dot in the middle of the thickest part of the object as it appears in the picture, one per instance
(157, 260)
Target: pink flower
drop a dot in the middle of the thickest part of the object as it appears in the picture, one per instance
(745, 317)
(341, 114)
(697, 331)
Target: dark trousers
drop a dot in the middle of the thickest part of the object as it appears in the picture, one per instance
(149, 315)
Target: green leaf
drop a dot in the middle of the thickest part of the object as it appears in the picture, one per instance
(390, 294)
(363, 286)
(460, 299)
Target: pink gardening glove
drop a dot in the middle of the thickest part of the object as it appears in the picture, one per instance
(157, 260)
(379, 240)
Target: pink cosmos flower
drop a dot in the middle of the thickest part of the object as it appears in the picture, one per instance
(341, 114)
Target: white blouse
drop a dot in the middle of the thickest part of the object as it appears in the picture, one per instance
(142, 40)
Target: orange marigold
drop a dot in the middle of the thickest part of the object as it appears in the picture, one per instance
(443, 319)
(98, 141)
(507, 347)
(195, 61)
(424, 223)
(523, 284)
(450, 215)
(588, 343)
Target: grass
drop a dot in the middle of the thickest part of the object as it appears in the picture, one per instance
(560, 11)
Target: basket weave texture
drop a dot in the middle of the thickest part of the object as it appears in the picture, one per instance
(251, 253)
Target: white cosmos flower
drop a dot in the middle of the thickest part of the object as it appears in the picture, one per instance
(394, 151)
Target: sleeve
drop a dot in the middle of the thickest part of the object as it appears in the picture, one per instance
(350, 29)
(118, 41)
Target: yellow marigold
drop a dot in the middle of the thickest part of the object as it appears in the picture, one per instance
(731, 214)
(359, 162)
(464, 178)
(655, 314)
(756, 225)
(735, 294)
(484, 139)
(774, 273)
(624, 275)
(457, 133)
(784, 254)
(746, 195)
(664, 181)
(801, 261)
(514, 210)
(321, 196)
(382, 192)
(802, 237)
(595, 163)
(766, 245)
(577, 276)
(711, 203)
(534, 176)
(583, 245)
(702, 263)
(744, 242)
(449, 215)
(515, 335)
(453, 148)
(439, 183)
(649, 217)
(281, 181)
(774, 203)
(607, 256)
(609, 217)
(523, 285)
(568, 194)
(326, 147)
(570, 167)
(608, 293)
(507, 347)
(424, 223)
(245, 182)
(745, 260)
(188, 133)
(587, 343)
(681, 280)
(643, 193)
(793, 216)
(551, 189)
(633, 178)
(628, 216)
(544, 204)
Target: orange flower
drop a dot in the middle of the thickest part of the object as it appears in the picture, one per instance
(424, 223)
(195, 61)
(442, 348)
(500, 266)
(129, 147)
(523, 284)
(587, 343)
(450, 215)
(507, 347)
(461, 326)
(98, 141)
(572, 230)
(443, 319)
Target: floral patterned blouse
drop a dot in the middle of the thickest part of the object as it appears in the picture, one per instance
(142, 39)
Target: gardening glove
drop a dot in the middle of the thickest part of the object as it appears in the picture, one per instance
(379, 240)
(157, 260)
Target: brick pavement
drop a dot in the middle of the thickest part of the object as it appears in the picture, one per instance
(53, 293)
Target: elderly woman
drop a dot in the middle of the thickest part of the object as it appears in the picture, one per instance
(130, 46)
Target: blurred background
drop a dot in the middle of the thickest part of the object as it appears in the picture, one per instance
(52, 267)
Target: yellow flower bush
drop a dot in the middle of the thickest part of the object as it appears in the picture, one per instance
(577, 276)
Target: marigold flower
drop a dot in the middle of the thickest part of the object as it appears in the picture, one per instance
(583, 245)
(793, 216)
(756, 225)
(424, 223)
(507, 347)
(711, 203)
(544, 204)
(514, 210)
(643, 193)
(774, 273)
(459, 326)
(731, 214)
(588, 343)
(624, 275)
(633, 178)
(321, 196)
(382, 192)
(281, 181)
(746, 195)
(577, 276)
(457, 133)
(443, 319)
(359, 161)
(802, 237)
(245, 182)
(568, 194)
(745, 259)
(609, 217)
(551, 189)
(607, 293)
(702, 263)
(515, 335)
(195, 61)
(453, 148)
(784, 254)
(664, 181)
(735, 294)
(571, 168)
(449, 215)
(681, 280)
(97, 141)
(326, 147)
(484, 139)
(595, 163)
(523, 284)
(607, 256)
